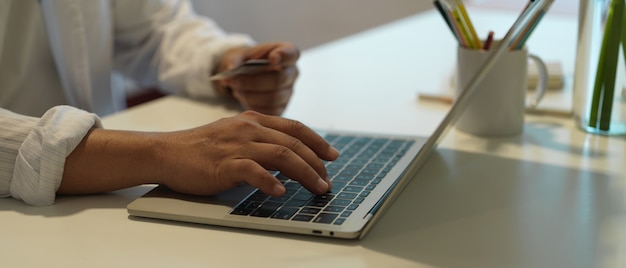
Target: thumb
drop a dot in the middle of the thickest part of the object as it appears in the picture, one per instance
(232, 58)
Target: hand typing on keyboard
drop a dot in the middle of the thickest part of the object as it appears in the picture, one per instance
(364, 162)
(205, 160)
(221, 155)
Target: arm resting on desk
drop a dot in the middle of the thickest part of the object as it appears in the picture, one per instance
(201, 161)
(33, 151)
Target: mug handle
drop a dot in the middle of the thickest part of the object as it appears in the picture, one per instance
(542, 84)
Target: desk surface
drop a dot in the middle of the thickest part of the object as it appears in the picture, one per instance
(551, 197)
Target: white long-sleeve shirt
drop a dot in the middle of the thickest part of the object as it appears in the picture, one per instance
(56, 52)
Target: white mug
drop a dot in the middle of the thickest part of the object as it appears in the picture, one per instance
(499, 103)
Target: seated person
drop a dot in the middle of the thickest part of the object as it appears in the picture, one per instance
(58, 74)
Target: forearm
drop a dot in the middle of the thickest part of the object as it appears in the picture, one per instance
(108, 160)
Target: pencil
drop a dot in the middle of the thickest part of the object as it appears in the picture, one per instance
(457, 29)
(445, 99)
(468, 23)
(521, 39)
(528, 5)
(448, 100)
(488, 41)
(460, 22)
(527, 18)
(457, 22)
(465, 95)
(445, 18)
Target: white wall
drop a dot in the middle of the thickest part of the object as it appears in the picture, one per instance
(306, 23)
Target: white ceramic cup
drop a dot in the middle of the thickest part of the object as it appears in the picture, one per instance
(499, 103)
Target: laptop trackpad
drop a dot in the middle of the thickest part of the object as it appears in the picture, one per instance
(228, 198)
(162, 201)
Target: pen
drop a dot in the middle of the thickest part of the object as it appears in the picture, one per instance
(521, 39)
(488, 41)
(445, 17)
(457, 22)
(446, 99)
(468, 23)
(465, 95)
(528, 5)
(525, 20)
(457, 29)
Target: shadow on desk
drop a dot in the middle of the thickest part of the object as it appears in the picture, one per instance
(70, 205)
(474, 215)
(543, 134)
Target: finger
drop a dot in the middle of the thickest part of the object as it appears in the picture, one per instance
(279, 53)
(265, 81)
(285, 54)
(233, 58)
(299, 131)
(229, 60)
(275, 156)
(298, 147)
(245, 170)
(294, 146)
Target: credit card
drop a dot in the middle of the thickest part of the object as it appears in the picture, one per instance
(248, 67)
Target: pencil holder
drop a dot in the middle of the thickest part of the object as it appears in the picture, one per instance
(600, 72)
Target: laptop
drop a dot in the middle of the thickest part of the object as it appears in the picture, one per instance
(371, 172)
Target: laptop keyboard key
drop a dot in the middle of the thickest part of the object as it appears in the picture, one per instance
(353, 189)
(241, 211)
(302, 217)
(325, 218)
(285, 213)
(308, 210)
(266, 210)
(316, 203)
(352, 207)
(258, 196)
(304, 196)
(334, 209)
(344, 195)
(340, 202)
(339, 221)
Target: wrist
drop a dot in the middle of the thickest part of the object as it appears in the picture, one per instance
(108, 160)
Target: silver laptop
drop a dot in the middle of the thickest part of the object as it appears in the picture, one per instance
(370, 173)
(369, 169)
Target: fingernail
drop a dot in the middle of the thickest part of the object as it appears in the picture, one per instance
(275, 59)
(330, 183)
(334, 151)
(322, 185)
(278, 190)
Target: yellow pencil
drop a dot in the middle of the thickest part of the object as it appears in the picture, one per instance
(470, 26)
(464, 33)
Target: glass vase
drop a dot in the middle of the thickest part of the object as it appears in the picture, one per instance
(600, 71)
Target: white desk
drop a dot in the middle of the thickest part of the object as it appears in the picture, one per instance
(552, 197)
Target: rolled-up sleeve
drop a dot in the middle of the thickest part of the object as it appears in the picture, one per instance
(33, 151)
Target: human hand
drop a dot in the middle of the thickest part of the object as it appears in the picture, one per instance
(240, 149)
(266, 91)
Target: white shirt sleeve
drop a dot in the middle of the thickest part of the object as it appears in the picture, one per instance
(165, 43)
(33, 151)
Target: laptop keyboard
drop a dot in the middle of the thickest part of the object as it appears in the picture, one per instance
(362, 163)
